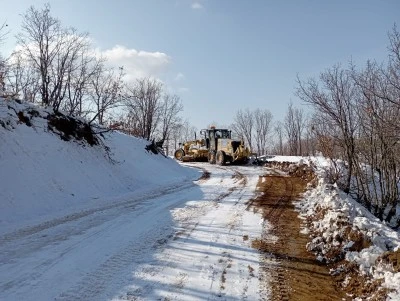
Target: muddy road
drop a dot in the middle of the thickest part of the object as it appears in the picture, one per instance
(291, 271)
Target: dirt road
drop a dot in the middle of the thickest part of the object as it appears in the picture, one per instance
(293, 273)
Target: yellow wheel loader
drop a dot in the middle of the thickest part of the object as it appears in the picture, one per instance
(216, 146)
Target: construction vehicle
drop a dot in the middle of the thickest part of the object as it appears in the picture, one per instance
(215, 146)
(194, 150)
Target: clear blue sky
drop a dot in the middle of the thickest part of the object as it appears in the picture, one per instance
(225, 55)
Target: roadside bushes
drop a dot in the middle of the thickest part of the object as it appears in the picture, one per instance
(356, 120)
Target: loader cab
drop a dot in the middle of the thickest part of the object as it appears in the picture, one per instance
(212, 136)
(223, 134)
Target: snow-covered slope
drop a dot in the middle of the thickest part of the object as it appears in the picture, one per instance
(43, 176)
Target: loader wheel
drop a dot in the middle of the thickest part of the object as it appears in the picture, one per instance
(179, 154)
(220, 158)
(211, 157)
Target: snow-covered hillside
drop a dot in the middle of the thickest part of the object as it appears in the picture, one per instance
(80, 222)
(43, 176)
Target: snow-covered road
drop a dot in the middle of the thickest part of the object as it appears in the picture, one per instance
(189, 242)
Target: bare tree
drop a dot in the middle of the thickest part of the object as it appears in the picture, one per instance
(180, 133)
(279, 136)
(186, 131)
(386, 83)
(3, 34)
(80, 86)
(143, 100)
(53, 51)
(378, 146)
(393, 70)
(309, 140)
(39, 40)
(291, 129)
(170, 108)
(21, 79)
(356, 119)
(3, 73)
(263, 121)
(127, 124)
(300, 124)
(2, 77)
(71, 60)
(105, 91)
(243, 125)
(335, 100)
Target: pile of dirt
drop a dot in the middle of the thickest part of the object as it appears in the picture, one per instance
(155, 147)
(392, 259)
(68, 127)
(304, 171)
(332, 247)
(357, 286)
(330, 250)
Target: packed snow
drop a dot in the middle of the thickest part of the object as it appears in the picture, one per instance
(210, 255)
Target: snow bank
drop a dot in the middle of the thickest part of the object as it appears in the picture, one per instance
(319, 161)
(341, 221)
(341, 228)
(42, 176)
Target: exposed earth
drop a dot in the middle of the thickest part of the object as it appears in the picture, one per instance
(288, 264)
(296, 274)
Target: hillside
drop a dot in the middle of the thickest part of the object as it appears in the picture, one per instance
(43, 176)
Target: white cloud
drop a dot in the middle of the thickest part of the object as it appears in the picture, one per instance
(197, 5)
(180, 76)
(137, 63)
(183, 90)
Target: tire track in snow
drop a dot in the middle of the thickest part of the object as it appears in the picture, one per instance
(96, 282)
(234, 223)
(224, 263)
(189, 221)
(148, 253)
(93, 226)
(127, 204)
